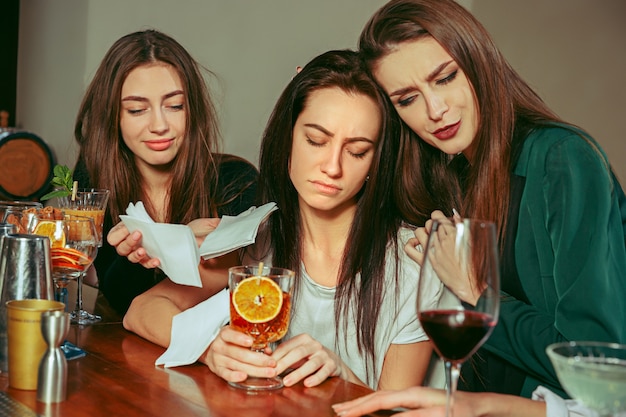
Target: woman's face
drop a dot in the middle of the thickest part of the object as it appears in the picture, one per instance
(152, 117)
(431, 94)
(334, 141)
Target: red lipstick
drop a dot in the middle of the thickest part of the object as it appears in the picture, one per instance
(448, 131)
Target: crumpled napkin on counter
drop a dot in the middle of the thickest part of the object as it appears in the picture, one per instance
(194, 329)
(175, 244)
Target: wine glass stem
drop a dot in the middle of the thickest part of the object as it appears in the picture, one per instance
(61, 293)
(79, 295)
(453, 371)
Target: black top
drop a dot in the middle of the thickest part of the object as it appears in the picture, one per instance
(121, 280)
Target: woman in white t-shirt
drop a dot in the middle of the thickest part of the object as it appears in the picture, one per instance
(328, 160)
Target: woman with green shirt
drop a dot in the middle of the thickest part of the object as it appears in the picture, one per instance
(480, 140)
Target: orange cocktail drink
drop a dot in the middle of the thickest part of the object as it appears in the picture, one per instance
(73, 247)
(88, 203)
(260, 306)
(277, 303)
(96, 214)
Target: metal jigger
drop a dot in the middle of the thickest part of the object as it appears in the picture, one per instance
(52, 377)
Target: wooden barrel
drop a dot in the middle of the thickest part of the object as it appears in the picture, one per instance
(26, 165)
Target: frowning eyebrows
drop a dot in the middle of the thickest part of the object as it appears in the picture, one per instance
(332, 135)
(431, 76)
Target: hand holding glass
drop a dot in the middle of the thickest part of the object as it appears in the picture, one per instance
(260, 306)
(462, 254)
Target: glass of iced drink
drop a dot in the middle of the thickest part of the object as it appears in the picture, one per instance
(88, 202)
(260, 306)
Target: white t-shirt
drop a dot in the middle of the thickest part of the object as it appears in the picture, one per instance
(314, 314)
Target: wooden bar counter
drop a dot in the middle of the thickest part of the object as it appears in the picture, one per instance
(118, 377)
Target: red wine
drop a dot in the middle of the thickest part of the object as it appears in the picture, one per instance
(456, 333)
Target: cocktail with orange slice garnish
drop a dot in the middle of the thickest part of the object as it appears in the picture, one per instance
(260, 305)
(53, 229)
(69, 261)
(73, 247)
(88, 202)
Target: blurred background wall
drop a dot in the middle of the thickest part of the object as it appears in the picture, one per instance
(572, 51)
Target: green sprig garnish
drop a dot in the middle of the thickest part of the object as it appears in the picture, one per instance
(62, 181)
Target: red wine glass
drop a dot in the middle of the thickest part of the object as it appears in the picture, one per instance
(459, 291)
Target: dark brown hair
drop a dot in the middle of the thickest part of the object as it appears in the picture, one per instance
(506, 105)
(110, 163)
(376, 221)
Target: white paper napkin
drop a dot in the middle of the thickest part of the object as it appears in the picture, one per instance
(175, 244)
(234, 232)
(194, 329)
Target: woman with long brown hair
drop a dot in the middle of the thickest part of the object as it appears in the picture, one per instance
(480, 140)
(328, 161)
(148, 131)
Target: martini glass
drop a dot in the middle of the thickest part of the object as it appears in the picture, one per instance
(593, 373)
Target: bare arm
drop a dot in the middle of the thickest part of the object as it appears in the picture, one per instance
(430, 402)
(150, 314)
(405, 365)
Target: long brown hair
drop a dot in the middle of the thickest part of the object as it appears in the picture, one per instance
(110, 163)
(502, 97)
(376, 221)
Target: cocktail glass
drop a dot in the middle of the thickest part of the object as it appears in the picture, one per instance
(74, 245)
(13, 212)
(593, 373)
(260, 306)
(88, 202)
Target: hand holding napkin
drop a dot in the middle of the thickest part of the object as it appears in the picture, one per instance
(194, 329)
(235, 232)
(175, 244)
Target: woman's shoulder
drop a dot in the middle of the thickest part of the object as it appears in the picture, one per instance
(236, 184)
(229, 164)
(561, 135)
(235, 173)
(408, 268)
(546, 145)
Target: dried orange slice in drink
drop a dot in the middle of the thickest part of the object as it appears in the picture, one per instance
(53, 230)
(69, 258)
(257, 299)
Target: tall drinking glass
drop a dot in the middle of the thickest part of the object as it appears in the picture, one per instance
(260, 306)
(88, 202)
(462, 254)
